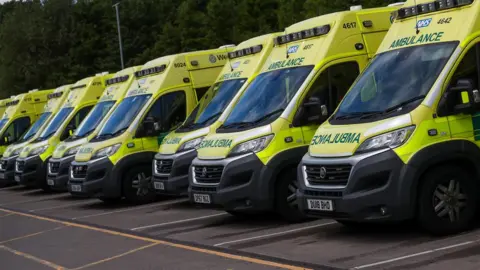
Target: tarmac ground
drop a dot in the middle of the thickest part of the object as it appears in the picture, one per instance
(41, 230)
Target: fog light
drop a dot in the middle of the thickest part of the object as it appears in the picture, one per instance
(383, 210)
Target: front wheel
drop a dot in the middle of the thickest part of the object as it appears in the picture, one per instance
(447, 200)
(136, 185)
(286, 202)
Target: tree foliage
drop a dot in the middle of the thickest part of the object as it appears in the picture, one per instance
(47, 43)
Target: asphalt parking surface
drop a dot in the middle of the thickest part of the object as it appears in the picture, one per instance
(54, 230)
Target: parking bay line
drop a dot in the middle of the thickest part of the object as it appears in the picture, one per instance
(274, 234)
(61, 206)
(178, 221)
(414, 255)
(132, 208)
(31, 257)
(165, 242)
(30, 235)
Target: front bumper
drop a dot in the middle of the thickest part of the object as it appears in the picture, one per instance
(31, 171)
(376, 188)
(242, 185)
(7, 170)
(58, 171)
(170, 172)
(94, 180)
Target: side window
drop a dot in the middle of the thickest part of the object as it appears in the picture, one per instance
(467, 69)
(16, 129)
(201, 92)
(169, 110)
(332, 84)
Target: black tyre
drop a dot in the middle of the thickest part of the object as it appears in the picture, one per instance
(110, 200)
(447, 200)
(136, 185)
(286, 203)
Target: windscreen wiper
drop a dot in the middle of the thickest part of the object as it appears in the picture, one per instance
(357, 114)
(399, 106)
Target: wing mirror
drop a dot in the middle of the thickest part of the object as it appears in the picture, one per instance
(311, 112)
(460, 98)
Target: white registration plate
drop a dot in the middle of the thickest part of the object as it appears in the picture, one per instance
(50, 182)
(17, 178)
(202, 198)
(320, 205)
(76, 188)
(159, 185)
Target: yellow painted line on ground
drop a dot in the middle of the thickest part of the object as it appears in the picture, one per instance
(30, 235)
(162, 242)
(33, 258)
(116, 256)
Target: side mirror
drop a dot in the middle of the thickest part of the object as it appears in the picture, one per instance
(311, 112)
(460, 98)
(151, 127)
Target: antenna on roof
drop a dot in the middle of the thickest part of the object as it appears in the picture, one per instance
(228, 58)
(416, 17)
(286, 47)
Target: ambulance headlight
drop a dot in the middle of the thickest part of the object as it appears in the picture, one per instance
(72, 151)
(17, 151)
(107, 151)
(38, 151)
(188, 145)
(391, 139)
(255, 145)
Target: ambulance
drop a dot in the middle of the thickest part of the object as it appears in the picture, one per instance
(248, 164)
(117, 162)
(3, 104)
(31, 164)
(404, 142)
(178, 149)
(64, 153)
(22, 110)
(7, 163)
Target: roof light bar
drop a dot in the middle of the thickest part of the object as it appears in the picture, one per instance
(54, 95)
(117, 80)
(304, 34)
(150, 71)
(424, 8)
(12, 103)
(246, 51)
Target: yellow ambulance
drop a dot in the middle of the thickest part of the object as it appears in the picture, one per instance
(64, 153)
(178, 149)
(3, 105)
(117, 162)
(7, 163)
(404, 142)
(30, 166)
(249, 163)
(22, 110)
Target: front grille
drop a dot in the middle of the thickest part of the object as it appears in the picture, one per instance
(20, 166)
(163, 166)
(79, 171)
(53, 167)
(208, 174)
(328, 175)
(3, 165)
(322, 193)
(203, 189)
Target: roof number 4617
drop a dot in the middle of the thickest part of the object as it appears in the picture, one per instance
(350, 25)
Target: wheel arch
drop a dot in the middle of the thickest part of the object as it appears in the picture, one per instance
(129, 162)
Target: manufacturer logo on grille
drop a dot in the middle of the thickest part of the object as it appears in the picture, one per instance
(204, 172)
(323, 172)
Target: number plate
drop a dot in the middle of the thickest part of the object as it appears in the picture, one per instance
(50, 182)
(320, 205)
(159, 185)
(201, 198)
(76, 188)
(17, 178)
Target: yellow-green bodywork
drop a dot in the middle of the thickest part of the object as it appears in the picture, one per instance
(246, 67)
(114, 92)
(83, 93)
(185, 72)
